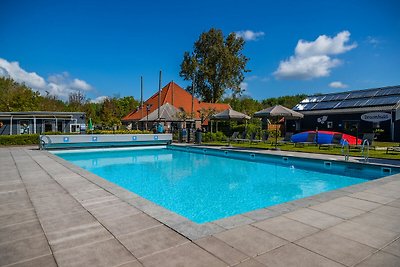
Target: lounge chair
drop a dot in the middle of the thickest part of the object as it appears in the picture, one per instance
(253, 139)
(286, 139)
(393, 149)
(336, 141)
(368, 136)
(310, 140)
(233, 137)
(243, 138)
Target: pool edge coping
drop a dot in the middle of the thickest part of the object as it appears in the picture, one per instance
(194, 231)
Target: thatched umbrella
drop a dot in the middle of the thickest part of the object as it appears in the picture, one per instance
(278, 111)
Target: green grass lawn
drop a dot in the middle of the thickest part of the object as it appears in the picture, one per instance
(373, 152)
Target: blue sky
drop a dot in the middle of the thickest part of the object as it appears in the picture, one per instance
(103, 47)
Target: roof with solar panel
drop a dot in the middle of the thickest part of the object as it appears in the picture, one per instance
(384, 98)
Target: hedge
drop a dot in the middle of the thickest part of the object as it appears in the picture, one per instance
(22, 139)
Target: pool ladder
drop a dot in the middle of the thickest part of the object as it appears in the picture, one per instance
(365, 155)
(346, 152)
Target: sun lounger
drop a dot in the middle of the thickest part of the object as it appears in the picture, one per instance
(336, 141)
(254, 140)
(286, 139)
(393, 149)
(367, 136)
(310, 140)
(233, 137)
(243, 138)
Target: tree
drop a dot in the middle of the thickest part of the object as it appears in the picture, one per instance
(215, 65)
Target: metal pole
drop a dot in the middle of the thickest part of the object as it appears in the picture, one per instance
(141, 103)
(159, 98)
(193, 97)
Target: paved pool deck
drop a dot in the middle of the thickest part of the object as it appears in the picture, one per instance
(53, 213)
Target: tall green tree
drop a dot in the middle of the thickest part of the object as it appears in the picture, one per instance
(215, 65)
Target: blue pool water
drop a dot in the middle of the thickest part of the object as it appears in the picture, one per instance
(204, 187)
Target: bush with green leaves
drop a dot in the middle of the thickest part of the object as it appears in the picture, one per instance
(209, 137)
(16, 140)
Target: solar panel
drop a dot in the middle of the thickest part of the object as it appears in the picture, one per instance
(362, 94)
(313, 99)
(301, 106)
(389, 91)
(348, 103)
(334, 97)
(385, 100)
(325, 105)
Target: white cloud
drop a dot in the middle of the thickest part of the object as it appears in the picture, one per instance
(338, 84)
(373, 41)
(60, 85)
(249, 35)
(313, 59)
(14, 71)
(99, 99)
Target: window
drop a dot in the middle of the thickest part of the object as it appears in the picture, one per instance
(24, 127)
(75, 128)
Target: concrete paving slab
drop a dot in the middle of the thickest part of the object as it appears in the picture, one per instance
(293, 255)
(67, 221)
(185, 255)
(390, 223)
(250, 240)
(356, 203)
(388, 211)
(371, 197)
(336, 247)
(367, 235)
(313, 218)
(234, 221)
(250, 263)
(340, 211)
(385, 192)
(101, 254)
(195, 231)
(395, 203)
(22, 250)
(111, 212)
(393, 248)
(261, 214)
(129, 224)
(286, 228)
(18, 216)
(14, 196)
(44, 261)
(20, 231)
(222, 250)
(77, 236)
(381, 259)
(150, 241)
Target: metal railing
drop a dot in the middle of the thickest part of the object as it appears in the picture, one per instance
(365, 144)
(346, 150)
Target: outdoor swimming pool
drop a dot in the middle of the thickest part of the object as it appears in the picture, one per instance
(204, 185)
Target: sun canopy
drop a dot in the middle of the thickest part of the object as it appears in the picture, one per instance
(167, 113)
(278, 111)
(230, 114)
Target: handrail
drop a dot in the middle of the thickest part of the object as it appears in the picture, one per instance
(365, 156)
(347, 153)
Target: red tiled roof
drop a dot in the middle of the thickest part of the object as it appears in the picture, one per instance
(179, 98)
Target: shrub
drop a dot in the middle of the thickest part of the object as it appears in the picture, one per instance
(209, 137)
(15, 140)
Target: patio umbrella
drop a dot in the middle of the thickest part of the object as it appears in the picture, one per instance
(230, 114)
(90, 124)
(278, 111)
